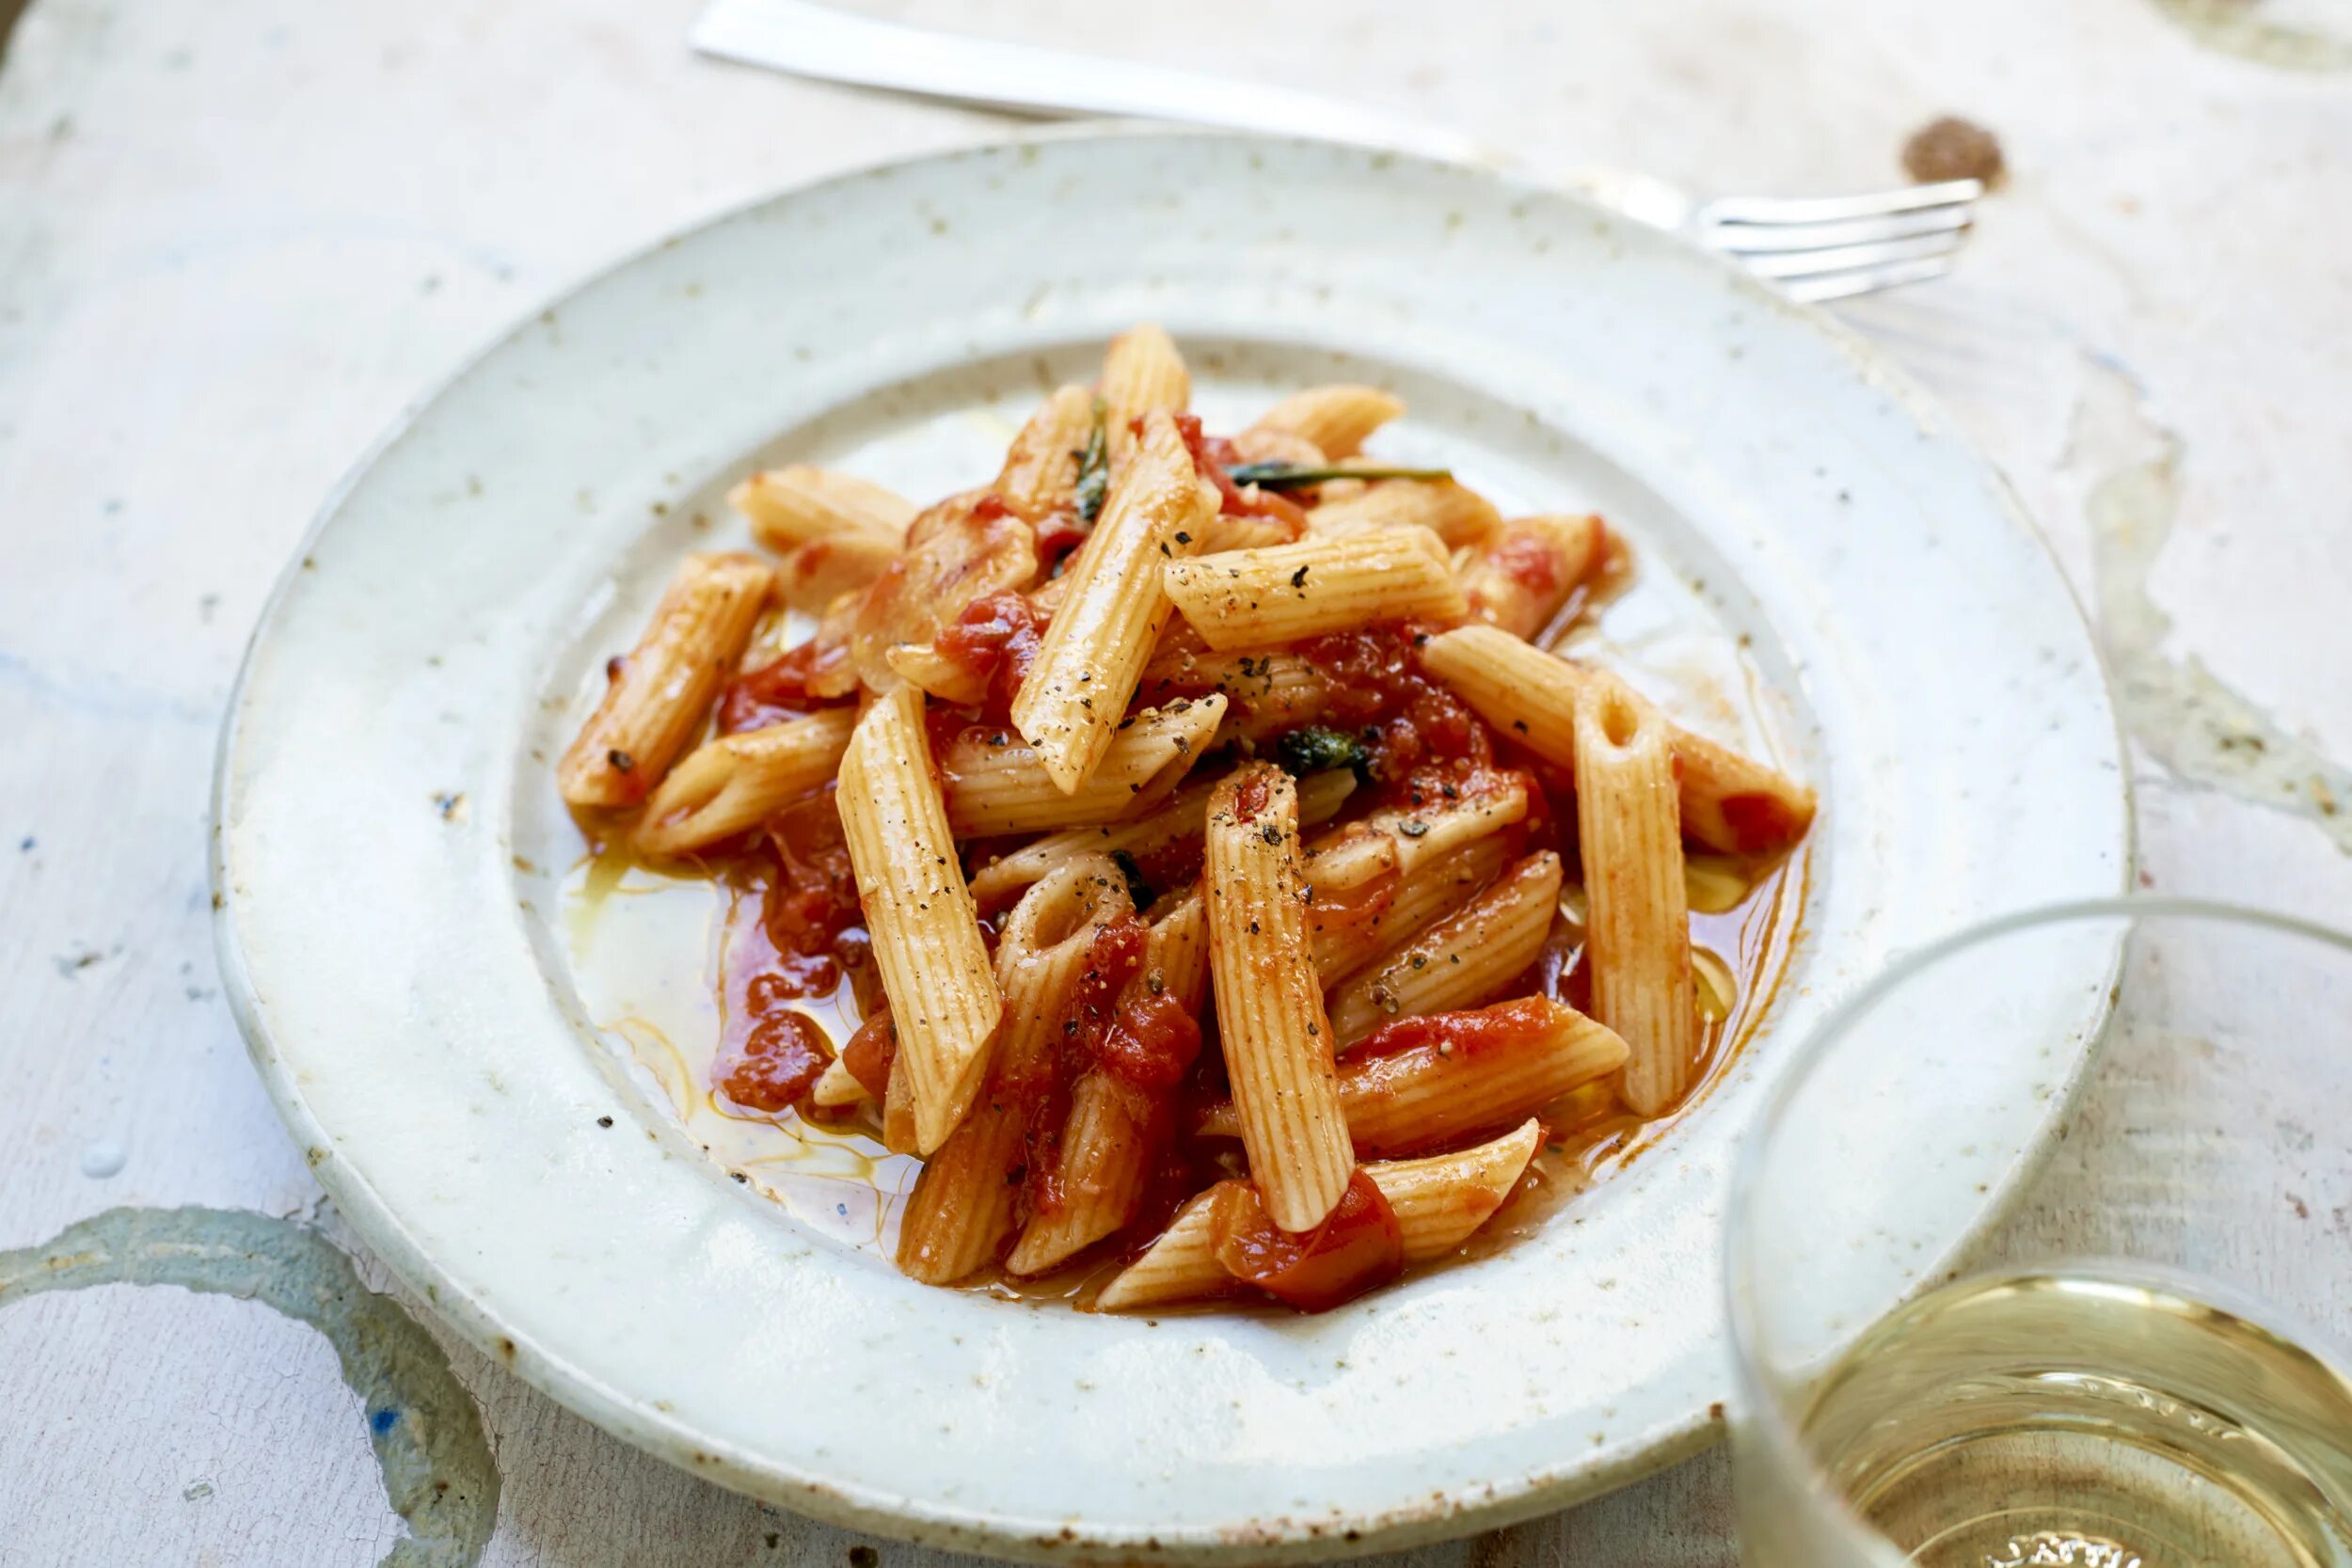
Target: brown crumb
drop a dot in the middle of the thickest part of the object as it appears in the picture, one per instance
(1951, 147)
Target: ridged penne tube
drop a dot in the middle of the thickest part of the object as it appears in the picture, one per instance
(738, 781)
(1270, 999)
(1004, 788)
(1637, 922)
(1099, 640)
(1727, 802)
(1142, 373)
(1323, 583)
(1433, 892)
(838, 1087)
(1519, 579)
(926, 932)
(1455, 512)
(1181, 816)
(1270, 690)
(820, 571)
(791, 507)
(1041, 473)
(966, 1204)
(897, 1119)
(656, 696)
(1415, 835)
(1440, 1203)
(1223, 533)
(1337, 419)
(1461, 960)
(1423, 1083)
(1114, 1130)
(1260, 445)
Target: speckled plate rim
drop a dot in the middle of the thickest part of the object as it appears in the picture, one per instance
(847, 1501)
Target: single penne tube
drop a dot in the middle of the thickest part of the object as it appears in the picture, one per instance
(1726, 802)
(1269, 690)
(1336, 419)
(1637, 921)
(1115, 1129)
(1440, 1203)
(1437, 826)
(1423, 1083)
(1142, 373)
(925, 930)
(656, 696)
(997, 784)
(820, 571)
(791, 507)
(965, 1206)
(1095, 648)
(1323, 583)
(921, 664)
(1521, 578)
(1455, 512)
(1259, 444)
(736, 781)
(1041, 467)
(1270, 999)
(1180, 818)
(1461, 960)
(897, 1119)
(838, 1087)
(1343, 946)
(1223, 533)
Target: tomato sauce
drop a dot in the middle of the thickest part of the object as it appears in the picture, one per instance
(1375, 687)
(996, 640)
(1505, 1026)
(1358, 1247)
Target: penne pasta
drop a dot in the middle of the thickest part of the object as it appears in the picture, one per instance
(1455, 512)
(1269, 1001)
(1462, 961)
(1259, 444)
(1142, 373)
(839, 1088)
(1093, 652)
(1335, 421)
(656, 696)
(795, 506)
(736, 781)
(1041, 470)
(1521, 578)
(1345, 943)
(1637, 924)
(1726, 802)
(1421, 1082)
(1284, 592)
(1439, 1202)
(995, 784)
(1024, 676)
(966, 1205)
(1180, 819)
(816, 574)
(1115, 1129)
(926, 932)
(1269, 691)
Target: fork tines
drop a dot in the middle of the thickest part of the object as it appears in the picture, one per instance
(1828, 248)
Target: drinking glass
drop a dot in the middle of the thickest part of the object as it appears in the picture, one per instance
(2042, 1254)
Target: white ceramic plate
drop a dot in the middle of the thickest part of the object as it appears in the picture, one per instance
(390, 851)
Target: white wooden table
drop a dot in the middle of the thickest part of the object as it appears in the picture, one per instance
(236, 237)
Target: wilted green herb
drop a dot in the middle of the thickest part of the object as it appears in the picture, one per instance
(1312, 748)
(1094, 470)
(1293, 476)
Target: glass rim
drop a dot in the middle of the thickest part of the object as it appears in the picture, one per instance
(1763, 1406)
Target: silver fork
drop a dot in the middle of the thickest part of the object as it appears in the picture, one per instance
(1811, 247)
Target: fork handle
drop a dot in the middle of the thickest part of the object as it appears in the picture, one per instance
(810, 39)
